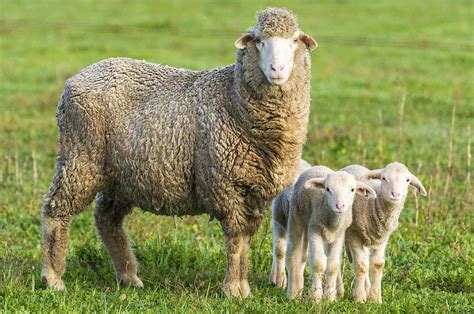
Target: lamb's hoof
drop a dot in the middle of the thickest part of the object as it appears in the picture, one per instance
(340, 293)
(316, 294)
(53, 282)
(375, 297)
(131, 280)
(281, 280)
(273, 277)
(360, 298)
(330, 295)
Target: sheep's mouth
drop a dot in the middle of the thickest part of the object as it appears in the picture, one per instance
(277, 80)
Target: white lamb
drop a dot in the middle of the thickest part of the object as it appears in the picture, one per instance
(320, 213)
(373, 222)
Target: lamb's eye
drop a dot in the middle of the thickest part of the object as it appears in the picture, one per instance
(408, 180)
(383, 178)
(352, 190)
(258, 40)
(295, 40)
(327, 189)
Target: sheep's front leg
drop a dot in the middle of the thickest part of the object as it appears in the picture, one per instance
(244, 267)
(360, 262)
(377, 263)
(295, 257)
(318, 262)
(333, 268)
(278, 274)
(234, 246)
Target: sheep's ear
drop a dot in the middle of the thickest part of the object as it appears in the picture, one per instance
(309, 41)
(417, 184)
(373, 174)
(243, 40)
(315, 183)
(365, 190)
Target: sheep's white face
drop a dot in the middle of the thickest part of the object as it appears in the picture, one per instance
(340, 188)
(395, 179)
(276, 57)
(276, 54)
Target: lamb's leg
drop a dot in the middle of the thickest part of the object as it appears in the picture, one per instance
(278, 274)
(74, 186)
(244, 267)
(377, 263)
(318, 262)
(109, 215)
(333, 268)
(234, 246)
(340, 283)
(360, 262)
(295, 257)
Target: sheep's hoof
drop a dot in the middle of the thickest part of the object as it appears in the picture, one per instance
(360, 298)
(316, 294)
(131, 280)
(375, 297)
(232, 288)
(340, 292)
(273, 277)
(244, 288)
(53, 282)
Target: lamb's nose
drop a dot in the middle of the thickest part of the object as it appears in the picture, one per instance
(395, 194)
(340, 206)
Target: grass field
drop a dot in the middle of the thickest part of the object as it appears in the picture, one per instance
(391, 79)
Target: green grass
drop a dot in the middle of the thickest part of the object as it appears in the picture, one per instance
(371, 55)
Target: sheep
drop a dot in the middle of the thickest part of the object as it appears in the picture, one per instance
(373, 222)
(179, 142)
(280, 210)
(319, 215)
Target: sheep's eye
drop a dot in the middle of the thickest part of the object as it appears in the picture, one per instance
(383, 178)
(352, 190)
(258, 40)
(408, 180)
(327, 189)
(295, 40)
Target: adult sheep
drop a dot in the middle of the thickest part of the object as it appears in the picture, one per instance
(180, 142)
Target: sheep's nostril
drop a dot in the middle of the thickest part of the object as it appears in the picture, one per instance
(273, 68)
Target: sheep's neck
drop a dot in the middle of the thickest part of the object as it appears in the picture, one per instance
(384, 217)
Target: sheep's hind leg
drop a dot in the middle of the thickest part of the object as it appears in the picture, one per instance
(109, 215)
(74, 186)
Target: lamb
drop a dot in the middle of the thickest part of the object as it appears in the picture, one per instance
(178, 142)
(280, 210)
(373, 222)
(320, 213)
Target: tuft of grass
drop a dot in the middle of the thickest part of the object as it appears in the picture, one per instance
(368, 52)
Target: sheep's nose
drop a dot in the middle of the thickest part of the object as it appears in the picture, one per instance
(395, 194)
(340, 206)
(277, 67)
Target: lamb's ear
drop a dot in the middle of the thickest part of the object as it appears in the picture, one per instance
(417, 184)
(309, 41)
(365, 190)
(315, 183)
(243, 40)
(373, 174)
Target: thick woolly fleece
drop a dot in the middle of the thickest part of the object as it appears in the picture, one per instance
(175, 142)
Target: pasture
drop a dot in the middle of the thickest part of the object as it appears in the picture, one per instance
(391, 80)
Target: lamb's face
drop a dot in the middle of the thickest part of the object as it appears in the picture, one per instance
(395, 179)
(340, 188)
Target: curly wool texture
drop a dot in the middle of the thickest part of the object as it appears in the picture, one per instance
(277, 22)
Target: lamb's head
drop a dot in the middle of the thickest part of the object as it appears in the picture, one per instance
(277, 42)
(340, 188)
(395, 179)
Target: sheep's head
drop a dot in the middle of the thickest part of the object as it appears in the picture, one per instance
(340, 188)
(276, 39)
(395, 179)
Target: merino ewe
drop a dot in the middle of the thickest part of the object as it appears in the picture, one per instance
(320, 214)
(373, 223)
(280, 210)
(180, 142)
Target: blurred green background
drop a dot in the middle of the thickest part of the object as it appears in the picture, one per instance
(391, 80)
